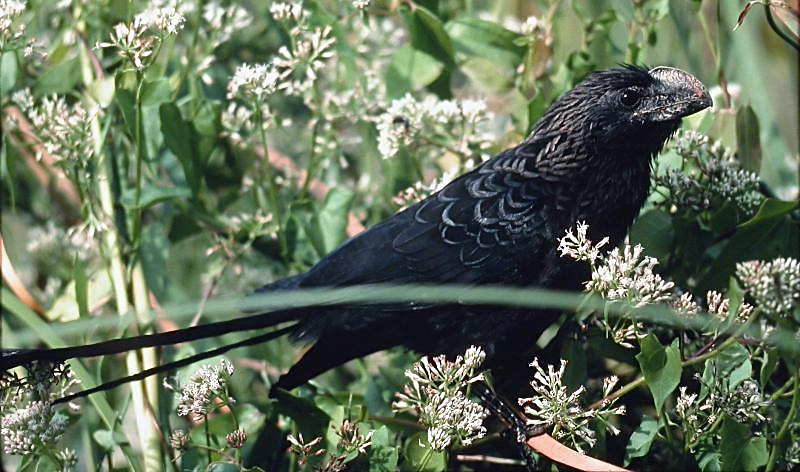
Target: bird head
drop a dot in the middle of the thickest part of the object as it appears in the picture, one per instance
(633, 102)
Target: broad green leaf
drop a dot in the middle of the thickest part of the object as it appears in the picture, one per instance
(409, 70)
(416, 450)
(383, 455)
(748, 139)
(428, 35)
(734, 365)
(8, 72)
(181, 139)
(59, 79)
(641, 439)
(739, 450)
(475, 37)
(753, 239)
(333, 216)
(102, 91)
(661, 367)
(709, 461)
(654, 231)
(108, 440)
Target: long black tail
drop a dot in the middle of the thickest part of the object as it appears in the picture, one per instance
(177, 364)
(13, 358)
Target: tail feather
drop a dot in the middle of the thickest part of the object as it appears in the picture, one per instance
(13, 358)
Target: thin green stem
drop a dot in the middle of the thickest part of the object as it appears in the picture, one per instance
(425, 459)
(777, 444)
(140, 157)
(271, 184)
(208, 438)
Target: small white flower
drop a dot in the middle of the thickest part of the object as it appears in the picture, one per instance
(24, 430)
(10, 10)
(165, 20)
(282, 11)
(207, 383)
(531, 25)
(361, 4)
(254, 82)
(774, 285)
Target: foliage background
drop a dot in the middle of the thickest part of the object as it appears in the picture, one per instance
(201, 185)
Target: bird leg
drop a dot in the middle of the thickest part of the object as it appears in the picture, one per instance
(518, 432)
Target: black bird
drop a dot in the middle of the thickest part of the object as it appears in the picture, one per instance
(588, 159)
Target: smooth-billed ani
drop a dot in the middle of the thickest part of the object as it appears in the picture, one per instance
(588, 159)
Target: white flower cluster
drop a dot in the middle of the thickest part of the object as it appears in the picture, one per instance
(203, 386)
(531, 26)
(625, 275)
(223, 21)
(578, 246)
(743, 403)
(283, 11)
(162, 20)
(361, 4)
(351, 441)
(433, 121)
(24, 430)
(10, 10)
(254, 82)
(774, 285)
(710, 170)
(552, 406)
(132, 42)
(64, 130)
(436, 394)
(719, 307)
(300, 66)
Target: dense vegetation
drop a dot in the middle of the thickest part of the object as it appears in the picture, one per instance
(160, 159)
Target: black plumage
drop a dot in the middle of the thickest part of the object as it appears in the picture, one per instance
(588, 159)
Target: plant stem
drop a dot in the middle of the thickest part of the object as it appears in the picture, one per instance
(776, 446)
(270, 178)
(208, 438)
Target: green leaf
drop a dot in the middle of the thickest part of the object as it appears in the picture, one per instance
(654, 231)
(641, 439)
(734, 365)
(768, 366)
(748, 139)
(60, 79)
(152, 196)
(661, 367)
(181, 138)
(102, 91)
(428, 35)
(383, 455)
(108, 440)
(709, 461)
(739, 450)
(333, 216)
(410, 70)
(416, 450)
(474, 37)
(753, 239)
(8, 72)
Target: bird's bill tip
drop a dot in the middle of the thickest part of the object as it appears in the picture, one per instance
(688, 94)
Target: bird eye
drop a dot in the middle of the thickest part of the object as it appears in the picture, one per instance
(630, 98)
